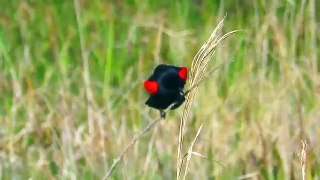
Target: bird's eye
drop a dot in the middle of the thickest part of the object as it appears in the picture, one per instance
(183, 72)
(151, 86)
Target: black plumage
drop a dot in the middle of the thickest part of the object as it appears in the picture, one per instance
(165, 87)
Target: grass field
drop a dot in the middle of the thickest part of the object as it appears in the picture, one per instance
(71, 93)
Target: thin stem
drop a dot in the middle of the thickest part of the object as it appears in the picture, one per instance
(133, 141)
(204, 77)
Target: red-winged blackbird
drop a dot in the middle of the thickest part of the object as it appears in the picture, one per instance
(165, 87)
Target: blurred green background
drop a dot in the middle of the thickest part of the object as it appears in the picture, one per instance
(71, 94)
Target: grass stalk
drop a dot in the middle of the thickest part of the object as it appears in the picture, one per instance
(86, 76)
(197, 74)
(133, 141)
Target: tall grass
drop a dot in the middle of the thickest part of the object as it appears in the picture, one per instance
(62, 116)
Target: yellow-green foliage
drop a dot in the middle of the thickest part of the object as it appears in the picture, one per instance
(67, 111)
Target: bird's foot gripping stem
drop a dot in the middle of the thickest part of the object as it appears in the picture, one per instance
(162, 114)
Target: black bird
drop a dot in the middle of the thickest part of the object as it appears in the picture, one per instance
(165, 87)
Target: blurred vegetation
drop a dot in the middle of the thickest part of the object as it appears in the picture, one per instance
(67, 112)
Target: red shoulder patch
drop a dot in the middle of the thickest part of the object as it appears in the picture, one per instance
(151, 86)
(183, 73)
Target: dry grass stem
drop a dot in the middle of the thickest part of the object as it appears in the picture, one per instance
(248, 176)
(133, 141)
(190, 152)
(303, 158)
(86, 76)
(197, 74)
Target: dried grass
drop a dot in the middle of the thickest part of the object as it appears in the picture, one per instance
(198, 73)
(303, 158)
